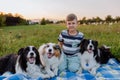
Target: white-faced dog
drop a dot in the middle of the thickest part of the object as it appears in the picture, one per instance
(51, 56)
(29, 64)
(91, 57)
(88, 55)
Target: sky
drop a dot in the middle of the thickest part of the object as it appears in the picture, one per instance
(59, 9)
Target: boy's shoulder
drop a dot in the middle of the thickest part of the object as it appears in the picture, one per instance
(64, 31)
(80, 33)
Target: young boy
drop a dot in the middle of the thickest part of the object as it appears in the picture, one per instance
(69, 40)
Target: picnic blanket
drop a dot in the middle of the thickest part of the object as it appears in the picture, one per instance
(109, 71)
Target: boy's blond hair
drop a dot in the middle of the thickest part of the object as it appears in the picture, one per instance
(71, 17)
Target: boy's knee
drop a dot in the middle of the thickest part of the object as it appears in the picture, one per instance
(62, 68)
(63, 65)
(74, 68)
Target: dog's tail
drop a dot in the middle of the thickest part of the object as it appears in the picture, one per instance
(107, 49)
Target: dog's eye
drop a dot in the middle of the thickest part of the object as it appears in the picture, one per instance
(34, 49)
(27, 50)
(47, 46)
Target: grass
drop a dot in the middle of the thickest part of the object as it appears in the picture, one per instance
(15, 37)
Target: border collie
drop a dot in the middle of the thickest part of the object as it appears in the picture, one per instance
(51, 56)
(91, 57)
(7, 63)
(29, 64)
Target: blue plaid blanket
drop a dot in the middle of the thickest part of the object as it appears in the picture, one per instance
(109, 71)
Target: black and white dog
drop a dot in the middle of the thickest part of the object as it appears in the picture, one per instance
(29, 64)
(7, 64)
(91, 57)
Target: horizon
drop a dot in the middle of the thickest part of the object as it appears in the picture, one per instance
(59, 9)
(56, 19)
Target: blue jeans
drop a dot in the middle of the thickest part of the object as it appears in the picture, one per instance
(70, 63)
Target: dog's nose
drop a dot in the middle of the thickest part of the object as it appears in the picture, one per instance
(50, 50)
(90, 46)
(31, 54)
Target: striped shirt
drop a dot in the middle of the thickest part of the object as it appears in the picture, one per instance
(70, 43)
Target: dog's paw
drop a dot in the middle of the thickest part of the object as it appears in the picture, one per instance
(46, 76)
(52, 74)
(79, 71)
(62, 74)
(56, 73)
(93, 71)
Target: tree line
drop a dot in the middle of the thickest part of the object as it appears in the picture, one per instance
(97, 20)
(11, 20)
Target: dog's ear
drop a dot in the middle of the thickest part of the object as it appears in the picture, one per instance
(82, 46)
(57, 50)
(41, 51)
(82, 42)
(20, 51)
(22, 61)
(57, 47)
(96, 43)
(37, 57)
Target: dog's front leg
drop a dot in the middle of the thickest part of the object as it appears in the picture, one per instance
(94, 69)
(50, 72)
(56, 71)
(44, 75)
(79, 71)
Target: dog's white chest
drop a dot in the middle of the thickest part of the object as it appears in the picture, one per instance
(87, 56)
(87, 60)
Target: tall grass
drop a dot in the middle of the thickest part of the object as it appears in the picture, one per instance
(15, 37)
(104, 34)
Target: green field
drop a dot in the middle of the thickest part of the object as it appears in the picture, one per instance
(13, 38)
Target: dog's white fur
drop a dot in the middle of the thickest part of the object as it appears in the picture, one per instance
(32, 70)
(87, 60)
(51, 64)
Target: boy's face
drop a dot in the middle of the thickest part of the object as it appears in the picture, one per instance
(71, 25)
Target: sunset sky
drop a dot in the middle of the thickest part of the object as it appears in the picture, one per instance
(58, 9)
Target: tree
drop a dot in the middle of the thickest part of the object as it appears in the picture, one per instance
(89, 21)
(43, 22)
(2, 19)
(109, 19)
(98, 19)
(117, 19)
(83, 21)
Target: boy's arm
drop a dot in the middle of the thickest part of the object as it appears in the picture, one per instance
(60, 40)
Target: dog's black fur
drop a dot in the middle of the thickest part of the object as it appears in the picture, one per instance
(7, 63)
(101, 54)
(23, 57)
(106, 54)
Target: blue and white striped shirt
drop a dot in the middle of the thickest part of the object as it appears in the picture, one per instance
(70, 43)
